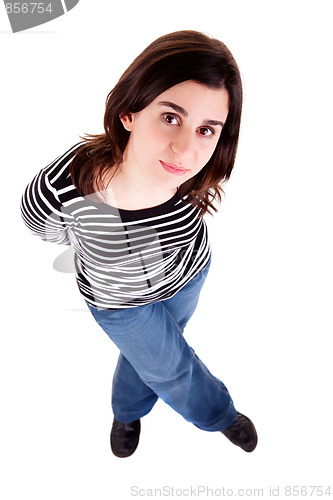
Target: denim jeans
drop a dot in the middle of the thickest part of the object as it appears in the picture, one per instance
(155, 362)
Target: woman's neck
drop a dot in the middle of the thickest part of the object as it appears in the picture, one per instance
(127, 191)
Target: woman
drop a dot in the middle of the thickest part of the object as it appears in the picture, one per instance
(130, 201)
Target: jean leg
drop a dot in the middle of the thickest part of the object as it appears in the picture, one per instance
(131, 397)
(150, 340)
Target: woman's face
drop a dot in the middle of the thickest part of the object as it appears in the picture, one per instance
(174, 137)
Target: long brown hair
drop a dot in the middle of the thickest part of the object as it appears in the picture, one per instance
(169, 60)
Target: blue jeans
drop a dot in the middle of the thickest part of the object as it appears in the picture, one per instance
(156, 362)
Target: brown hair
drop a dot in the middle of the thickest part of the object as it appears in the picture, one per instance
(169, 60)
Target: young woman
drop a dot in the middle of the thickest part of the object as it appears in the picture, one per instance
(130, 201)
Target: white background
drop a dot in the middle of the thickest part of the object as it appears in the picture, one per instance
(264, 322)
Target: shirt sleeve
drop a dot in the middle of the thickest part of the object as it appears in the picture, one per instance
(41, 208)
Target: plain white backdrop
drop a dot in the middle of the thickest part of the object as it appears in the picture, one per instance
(264, 322)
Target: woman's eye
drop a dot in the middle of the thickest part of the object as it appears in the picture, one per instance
(206, 131)
(170, 119)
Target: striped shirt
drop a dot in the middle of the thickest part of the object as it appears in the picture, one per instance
(123, 258)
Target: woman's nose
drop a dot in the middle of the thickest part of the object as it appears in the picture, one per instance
(182, 144)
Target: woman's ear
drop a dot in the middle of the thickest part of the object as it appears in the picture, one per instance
(127, 121)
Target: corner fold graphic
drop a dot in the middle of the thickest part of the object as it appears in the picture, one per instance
(70, 4)
(24, 15)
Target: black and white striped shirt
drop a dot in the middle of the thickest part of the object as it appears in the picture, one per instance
(123, 258)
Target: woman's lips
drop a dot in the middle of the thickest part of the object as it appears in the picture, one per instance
(173, 169)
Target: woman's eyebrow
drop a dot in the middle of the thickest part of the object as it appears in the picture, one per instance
(213, 122)
(183, 112)
(174, 106)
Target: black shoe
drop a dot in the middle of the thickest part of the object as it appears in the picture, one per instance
(124, 438)
(242, 433)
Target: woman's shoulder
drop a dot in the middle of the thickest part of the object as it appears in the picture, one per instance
(54, 181)
(57, 171)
